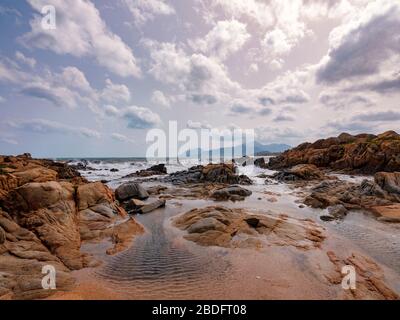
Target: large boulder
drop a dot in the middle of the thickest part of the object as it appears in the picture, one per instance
(131, 190)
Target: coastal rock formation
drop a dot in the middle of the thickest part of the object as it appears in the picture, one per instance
(158, 169)
(46, 211)
(224, 173)
(233, 193)
(299, 173)
(379, 196)
(224, 227)
(363, 153)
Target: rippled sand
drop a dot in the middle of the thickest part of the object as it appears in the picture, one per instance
(160, 264)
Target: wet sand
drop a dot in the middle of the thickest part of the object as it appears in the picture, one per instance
(160, 264)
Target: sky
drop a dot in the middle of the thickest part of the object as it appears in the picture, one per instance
(110, 71)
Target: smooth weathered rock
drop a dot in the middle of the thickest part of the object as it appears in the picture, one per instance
(389, 213)
(151, 206)
(131, 190)
(230, 193)
(46, 222)
(48, 209)
(221, 226)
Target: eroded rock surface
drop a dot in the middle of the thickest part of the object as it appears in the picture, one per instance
(221, 226)
(46, 211)
(364, 153)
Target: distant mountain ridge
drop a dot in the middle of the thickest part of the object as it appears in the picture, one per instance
(259, 149)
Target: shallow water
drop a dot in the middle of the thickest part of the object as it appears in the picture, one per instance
(160, 264)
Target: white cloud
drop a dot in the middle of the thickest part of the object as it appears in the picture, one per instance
(121, 138)
(81, 32)
(136, 117)
(159, 98)
(44, 126)
(256, 11)
(360, 47)
(146, 10)
(225, 38)
(9, 140)
(69, 88)
(202, 79)
(2, 100)
(25, 60)
(140, 118)
(114, 93)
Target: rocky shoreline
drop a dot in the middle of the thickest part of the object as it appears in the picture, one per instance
(48, 211)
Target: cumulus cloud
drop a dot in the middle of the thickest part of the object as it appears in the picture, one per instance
(257, 11)
(114, 93)
(25, 60)
(360, 47)
(141, 118)
(202, 79)
(159, 98)
(69, 88)
(81, 32)
(136, 117)
(44, 126)
(146, 10)
(286, 89)
(225, 38)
